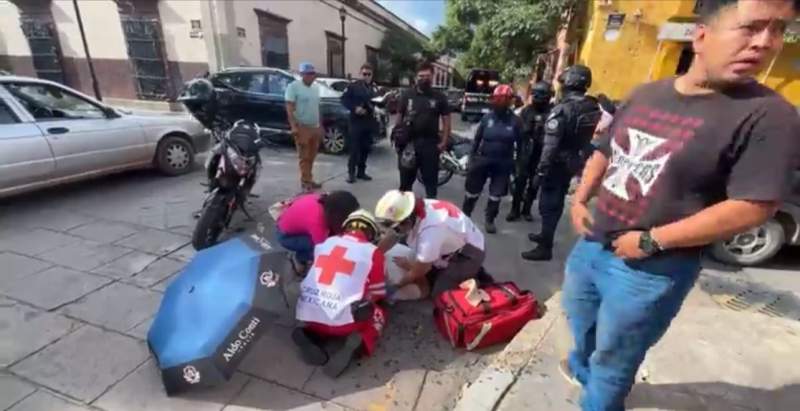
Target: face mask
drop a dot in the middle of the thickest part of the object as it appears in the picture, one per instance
(424, 85)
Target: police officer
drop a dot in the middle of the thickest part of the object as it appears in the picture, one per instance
(499, 132)
(567, 136)
(358, 99)
(533, 117)
(422, 109)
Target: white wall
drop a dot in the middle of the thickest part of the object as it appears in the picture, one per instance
(102, 26)
(310, 19)
(12, 39)
(176, 25)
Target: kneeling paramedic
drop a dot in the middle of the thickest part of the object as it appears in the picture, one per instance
(447, 247)
(499, 132)
(339, 296)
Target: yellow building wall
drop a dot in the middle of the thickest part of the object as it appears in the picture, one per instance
(635, 57)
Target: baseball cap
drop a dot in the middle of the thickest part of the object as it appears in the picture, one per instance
(307, 68)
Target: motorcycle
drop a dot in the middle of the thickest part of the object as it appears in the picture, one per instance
(453, 161)
(232, 167)
(381, 115)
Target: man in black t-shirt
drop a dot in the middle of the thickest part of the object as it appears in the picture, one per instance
(421, 108)
(686, 162)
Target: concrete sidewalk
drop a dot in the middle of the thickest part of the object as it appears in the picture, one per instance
(712, 358)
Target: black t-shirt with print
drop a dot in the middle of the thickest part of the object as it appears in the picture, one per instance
(423, 111)
(672, 155)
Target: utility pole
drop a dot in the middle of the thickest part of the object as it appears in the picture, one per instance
(342, 17)
(95, 85)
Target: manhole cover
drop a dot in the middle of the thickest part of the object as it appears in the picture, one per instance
(753, 298)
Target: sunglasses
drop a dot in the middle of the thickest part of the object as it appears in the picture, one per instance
(366, 74)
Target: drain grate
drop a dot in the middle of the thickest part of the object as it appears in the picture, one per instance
(753, 298)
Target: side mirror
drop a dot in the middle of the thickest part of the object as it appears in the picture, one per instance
(110, 112)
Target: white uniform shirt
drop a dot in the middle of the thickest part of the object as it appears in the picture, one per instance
(444, 230)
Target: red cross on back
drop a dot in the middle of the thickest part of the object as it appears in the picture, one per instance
(330, 265)
(451, 209)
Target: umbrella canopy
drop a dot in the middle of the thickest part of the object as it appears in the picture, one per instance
(216, 308)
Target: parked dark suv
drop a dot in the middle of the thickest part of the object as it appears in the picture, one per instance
(259, 96)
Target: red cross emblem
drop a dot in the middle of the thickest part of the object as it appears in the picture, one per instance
(452, 210)
(330, 265)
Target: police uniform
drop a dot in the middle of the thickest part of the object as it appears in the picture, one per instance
(568, 133)
(421, 111)
(498, 134)
(530, 150)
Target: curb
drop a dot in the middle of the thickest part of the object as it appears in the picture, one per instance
(491, 385)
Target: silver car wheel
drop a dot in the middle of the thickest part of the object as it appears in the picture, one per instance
(177, 156)
(333, 140)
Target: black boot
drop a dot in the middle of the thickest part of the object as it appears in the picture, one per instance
(310, 349)
(535, 237)
(492, 209)
(527, 203)
(469, 205)
(343, 356)
(362, 175)
(351, 178)
(513, 215)
(539, 253)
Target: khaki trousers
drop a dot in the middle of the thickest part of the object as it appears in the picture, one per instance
(307, 141)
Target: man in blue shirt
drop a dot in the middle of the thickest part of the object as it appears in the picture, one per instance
(302, 108)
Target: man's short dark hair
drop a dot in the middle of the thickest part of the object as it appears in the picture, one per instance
(425, 66)
(367, 66)
(710, 9)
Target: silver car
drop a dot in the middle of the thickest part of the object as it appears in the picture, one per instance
(51, 134)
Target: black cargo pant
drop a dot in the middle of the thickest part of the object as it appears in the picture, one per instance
(427, 163)
(463, 265)
(524, 191)
(555, 186)
(359, 146)
(498, 172)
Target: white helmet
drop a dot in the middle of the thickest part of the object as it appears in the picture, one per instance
(395, 206)
(362, 220)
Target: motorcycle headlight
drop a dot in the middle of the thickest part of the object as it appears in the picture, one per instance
(238, 162)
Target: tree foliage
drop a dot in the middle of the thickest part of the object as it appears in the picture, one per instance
(401, 52)
(504, 35)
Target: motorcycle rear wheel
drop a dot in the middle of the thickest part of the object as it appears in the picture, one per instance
(212, 222)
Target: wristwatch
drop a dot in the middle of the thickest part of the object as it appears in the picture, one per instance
(648, 244)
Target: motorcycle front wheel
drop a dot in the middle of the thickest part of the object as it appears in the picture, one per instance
(445, 174)
(212, 221)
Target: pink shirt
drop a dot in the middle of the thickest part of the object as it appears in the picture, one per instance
(305, 216)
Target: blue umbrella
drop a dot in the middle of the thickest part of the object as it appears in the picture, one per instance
(214, 311)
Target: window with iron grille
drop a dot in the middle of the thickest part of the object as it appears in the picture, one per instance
(145, 50)
(45, 49)
(335, 55)
(274, 38)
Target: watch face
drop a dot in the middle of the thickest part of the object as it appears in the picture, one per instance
(646, 244)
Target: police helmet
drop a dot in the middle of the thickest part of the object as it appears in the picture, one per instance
(542, 92)
(577, 77)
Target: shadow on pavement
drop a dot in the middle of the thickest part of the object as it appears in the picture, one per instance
(703, 396)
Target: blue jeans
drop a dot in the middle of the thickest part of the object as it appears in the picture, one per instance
(300, 244)
(616, 313)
